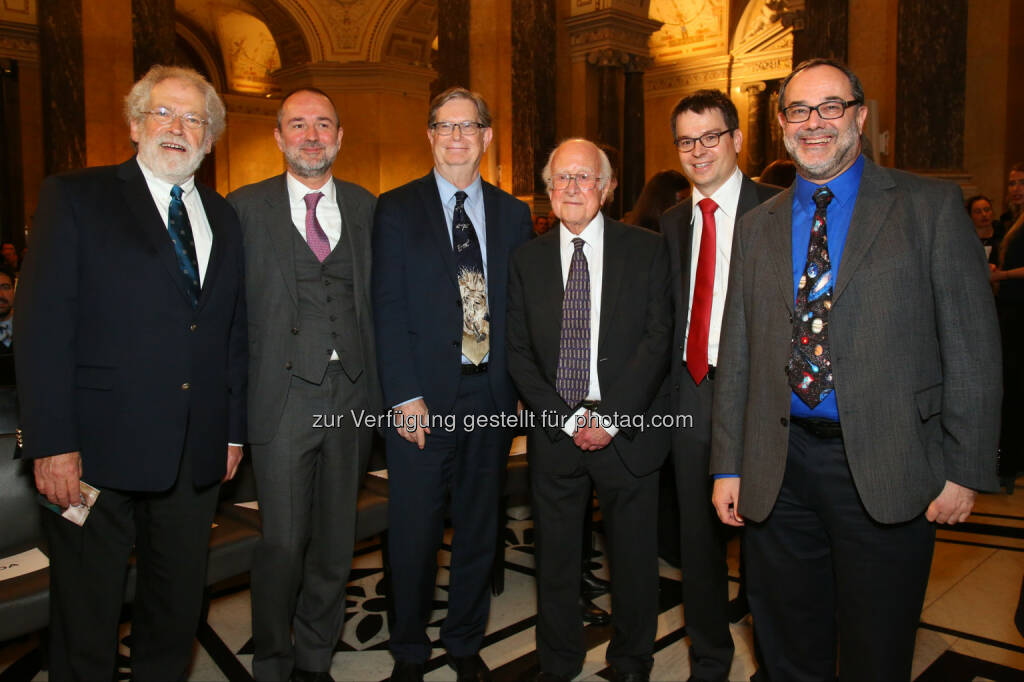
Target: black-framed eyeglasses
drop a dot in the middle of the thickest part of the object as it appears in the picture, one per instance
(707, 140)
(165, 117)
(828, 110)
(445, 128)
(584, 181)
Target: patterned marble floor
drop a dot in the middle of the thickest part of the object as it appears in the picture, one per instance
(967, 631)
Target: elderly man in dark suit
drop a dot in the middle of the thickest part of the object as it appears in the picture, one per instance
(441, 246)
(857, 396)
(705, 130)
(132, 363)
(589, 328)
(307, 258)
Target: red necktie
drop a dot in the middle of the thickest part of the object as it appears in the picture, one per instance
(703, 288)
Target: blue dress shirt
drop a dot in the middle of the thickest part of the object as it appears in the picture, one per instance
(844, 190)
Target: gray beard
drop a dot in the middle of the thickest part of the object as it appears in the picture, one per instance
(305, 170)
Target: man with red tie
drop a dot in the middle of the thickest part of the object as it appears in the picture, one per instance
(705, 129)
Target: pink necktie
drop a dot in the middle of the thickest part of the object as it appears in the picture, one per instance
(703, 288)
(315, 235)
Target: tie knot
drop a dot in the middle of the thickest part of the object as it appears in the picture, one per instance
(312, 199)
(460, 198)
(578, 243)
(176, 192)
(822, 196)
(707, 206)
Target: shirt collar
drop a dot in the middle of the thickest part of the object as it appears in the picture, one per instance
(474, 193)
(162, 187)
(592, 234)
(298, 191)
(727, 196)
(844, 187)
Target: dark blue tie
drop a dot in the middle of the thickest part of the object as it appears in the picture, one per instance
(572, 378)
(184, 245)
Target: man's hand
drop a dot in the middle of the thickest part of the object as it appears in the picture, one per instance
(57, 478)
(415, 413)
(726, 499)
(591, 438)
(234, 457)
(953, 505)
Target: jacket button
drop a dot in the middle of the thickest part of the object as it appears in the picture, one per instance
(784, 421)
(295, 330)
(288, 365)
(185, 386)
(334, 318)
(192, 327)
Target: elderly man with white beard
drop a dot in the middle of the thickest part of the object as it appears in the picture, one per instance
(132, 364)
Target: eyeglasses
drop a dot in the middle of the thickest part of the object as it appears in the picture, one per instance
(445, 128)
(707, 140)
(165, 117)
(832, 109)
(584, 181)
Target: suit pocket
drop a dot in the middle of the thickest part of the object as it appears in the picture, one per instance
(929, 401)
(96, 378)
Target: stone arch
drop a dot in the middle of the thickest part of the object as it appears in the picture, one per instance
(292, 28)
(204, 49)
(404, 32)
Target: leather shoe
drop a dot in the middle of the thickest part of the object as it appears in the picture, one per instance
(593, 614)
(631, 676)
(405, 671)
(300, 675)
(593, 586)
(469, 668)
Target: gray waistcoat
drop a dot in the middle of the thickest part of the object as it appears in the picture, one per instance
(327, 316)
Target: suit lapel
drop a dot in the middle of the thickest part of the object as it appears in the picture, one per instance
(139, 200)
(614, 265)
(279, 228)
(685, 254)
(549, 273)
(779, 237)
(869, 212)
(357, 240)
(213, 267)
(495, 266)
(437, 226)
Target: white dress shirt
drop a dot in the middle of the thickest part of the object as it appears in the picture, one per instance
(202, 235)
(593, 248)
(328, 213)
(728, 198)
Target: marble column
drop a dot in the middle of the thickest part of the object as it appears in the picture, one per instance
(931, 84)
(452, 60)
(825, 31)
(754, 142)
(61, 60)
(633, 156)
(12, 208)
(152, 33)
(533, 107)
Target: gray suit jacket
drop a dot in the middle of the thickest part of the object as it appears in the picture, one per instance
(915, 350)
(271, 289)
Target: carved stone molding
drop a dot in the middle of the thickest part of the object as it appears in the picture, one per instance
(19, 41)
(609, 30)
(662, 81)
(399, 79)
(246, 105)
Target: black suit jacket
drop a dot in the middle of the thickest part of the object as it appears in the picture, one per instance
(416, 299)
(677, 226)
(633, 344)
(113, 361)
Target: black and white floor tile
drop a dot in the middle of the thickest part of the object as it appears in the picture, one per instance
(967, 630)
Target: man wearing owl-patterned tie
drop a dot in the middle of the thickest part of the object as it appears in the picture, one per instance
(441, 246)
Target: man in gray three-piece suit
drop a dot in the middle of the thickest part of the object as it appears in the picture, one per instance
(857, 392)
(312, 364)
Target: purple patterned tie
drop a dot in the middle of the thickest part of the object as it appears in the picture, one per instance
(573, 378)
(315, 235)
(810, 365)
